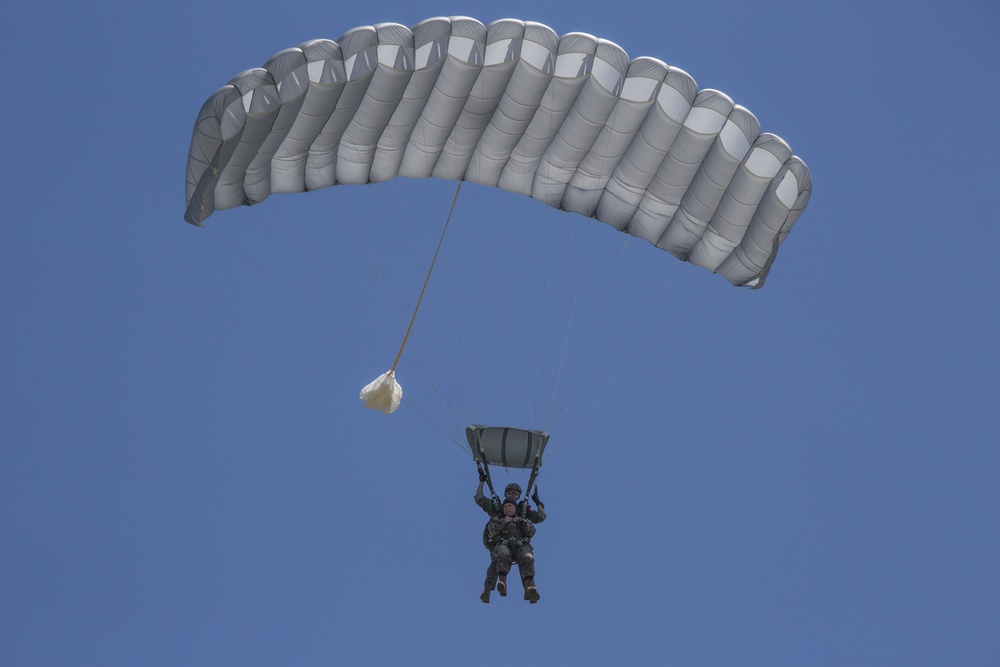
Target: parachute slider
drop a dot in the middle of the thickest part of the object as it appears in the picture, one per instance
(508, 447)
(383, 393)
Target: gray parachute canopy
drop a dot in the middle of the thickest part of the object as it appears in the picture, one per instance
(570, 121)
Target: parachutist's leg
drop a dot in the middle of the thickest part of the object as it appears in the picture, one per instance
(526, 566)
(502, 556)
(530, 592)
(491, 575)
(526, 562)
(491, 581)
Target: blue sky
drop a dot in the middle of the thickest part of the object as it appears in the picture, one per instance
(800, 475)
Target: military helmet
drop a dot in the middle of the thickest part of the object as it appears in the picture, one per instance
(512, 487)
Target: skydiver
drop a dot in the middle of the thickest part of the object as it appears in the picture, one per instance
(509, 537)
(494, 507)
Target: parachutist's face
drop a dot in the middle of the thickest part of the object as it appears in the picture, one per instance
(512, 494)
(508, 509)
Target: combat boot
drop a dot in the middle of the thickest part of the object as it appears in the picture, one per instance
(485, 597)
(530, 592)
(502, 585)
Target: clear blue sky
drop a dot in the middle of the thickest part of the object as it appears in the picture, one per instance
(188, 478)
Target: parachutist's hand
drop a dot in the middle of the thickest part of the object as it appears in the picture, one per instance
(534, 496)
(482, 475)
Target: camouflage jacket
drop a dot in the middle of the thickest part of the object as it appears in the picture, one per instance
(517, 531)
(495, 508)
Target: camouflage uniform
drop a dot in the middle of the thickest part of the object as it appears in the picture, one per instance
(512, 541)
(495, 509)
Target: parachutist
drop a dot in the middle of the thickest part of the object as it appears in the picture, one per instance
(510, 536)
(513, 516)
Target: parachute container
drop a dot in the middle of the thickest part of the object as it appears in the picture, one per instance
(383, 393)
(506, 446)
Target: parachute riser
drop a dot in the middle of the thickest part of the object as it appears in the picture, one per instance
(474, 436)
(484, 471)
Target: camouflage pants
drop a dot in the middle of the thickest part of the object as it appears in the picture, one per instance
(503, 555)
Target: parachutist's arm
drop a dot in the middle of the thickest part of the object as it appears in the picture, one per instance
(534, 516)
(485, 503)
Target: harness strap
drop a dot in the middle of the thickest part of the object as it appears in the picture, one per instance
(485, 464)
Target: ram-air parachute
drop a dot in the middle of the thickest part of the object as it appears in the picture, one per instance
(571, 121)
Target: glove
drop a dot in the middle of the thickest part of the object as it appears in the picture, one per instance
(482, 474)
(534, 496)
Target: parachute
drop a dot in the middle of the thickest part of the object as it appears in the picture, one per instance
(571, 121)
(383, 393)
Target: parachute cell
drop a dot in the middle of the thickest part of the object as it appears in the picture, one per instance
(570, 121)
